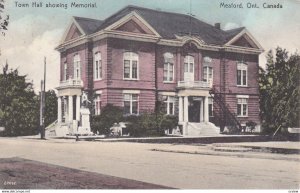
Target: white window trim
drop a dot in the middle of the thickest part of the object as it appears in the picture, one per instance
(243, 97)
(132, 56)
(98, 58)
(97, 99)
(242, 67)
(206, 68)
(131, 101)
(76, 60)
(169, 59)
(168, 101)
(131, 91)
(189, 60)
(168, 73)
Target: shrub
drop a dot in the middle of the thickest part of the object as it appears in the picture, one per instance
(150, 124)
(109, 115)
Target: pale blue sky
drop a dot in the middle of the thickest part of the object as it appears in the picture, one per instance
(34, 32)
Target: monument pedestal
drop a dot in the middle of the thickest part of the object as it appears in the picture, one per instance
(84, 128)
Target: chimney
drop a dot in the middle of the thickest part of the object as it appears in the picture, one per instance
(218, 25)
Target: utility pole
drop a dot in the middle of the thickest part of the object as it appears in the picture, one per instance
(43, 103)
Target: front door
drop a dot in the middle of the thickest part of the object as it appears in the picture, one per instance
(189, 69)
(194, 110)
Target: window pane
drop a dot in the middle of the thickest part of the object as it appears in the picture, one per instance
(134, 107)
(100, 69)
(171, 108)
(126, 107)
(244, 109)
(96, 70)
(205, 73)
(239, 77)
(191, 67)
(134, 69)
(171, 69)
(165, 75)
(186, 67)
(134, 97)
(244, 77)
(127, 97)
(239, 109)
(126, 69)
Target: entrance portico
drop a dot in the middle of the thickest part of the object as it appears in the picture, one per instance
(193, 106)
(68, 101)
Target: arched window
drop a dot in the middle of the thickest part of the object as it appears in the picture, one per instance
(97, 66)
(242, 73)
(77, 67)
(131, 61)
(168, 67)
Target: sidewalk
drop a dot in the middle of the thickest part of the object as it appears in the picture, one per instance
(264, 150)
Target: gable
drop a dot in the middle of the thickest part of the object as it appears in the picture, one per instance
(73, 33)
(133, 23)
(244, 41)
(134, 27)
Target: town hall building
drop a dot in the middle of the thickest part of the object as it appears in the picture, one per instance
(206, 76)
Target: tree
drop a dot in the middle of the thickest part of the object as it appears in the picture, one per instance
(51, 107)
(19, 106)
(279, 91)
(3, 21)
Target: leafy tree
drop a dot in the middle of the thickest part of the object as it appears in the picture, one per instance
(3, 21)
(51, 107)
(279, 91)
(19, 106)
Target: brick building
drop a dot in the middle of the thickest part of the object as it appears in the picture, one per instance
(138, 56)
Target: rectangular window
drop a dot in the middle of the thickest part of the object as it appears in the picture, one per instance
(168, 72)
(131, 105)
(98, 67)
(169, 105)
(207, 74)
(241, 74)
(242, 107)
(97, 105)
(131, 65)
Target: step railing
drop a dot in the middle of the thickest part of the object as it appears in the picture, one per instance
(227, 118)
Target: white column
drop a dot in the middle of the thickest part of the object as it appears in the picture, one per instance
(186, 109)
(180, 113)
(77, 107)
(70, 109)
(201, 111)
(206, 116)
(59, 109)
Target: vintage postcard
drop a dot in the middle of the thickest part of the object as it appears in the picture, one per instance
(136, 94)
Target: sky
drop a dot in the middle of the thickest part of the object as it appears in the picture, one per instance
(33, 33)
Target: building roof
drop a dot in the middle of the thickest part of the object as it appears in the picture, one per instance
(167, 24)
(88, 25)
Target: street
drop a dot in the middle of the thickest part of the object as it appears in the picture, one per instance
(136, 161)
